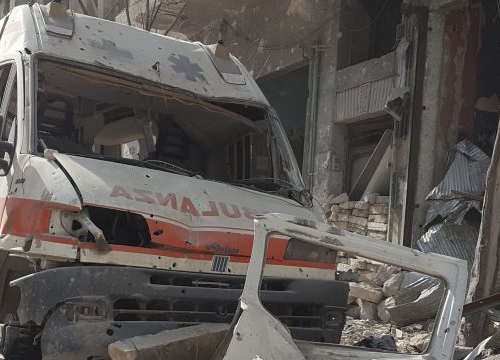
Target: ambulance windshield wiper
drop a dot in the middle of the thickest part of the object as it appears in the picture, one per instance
(151, 164)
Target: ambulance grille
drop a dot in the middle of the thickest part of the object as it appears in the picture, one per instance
(220, 263)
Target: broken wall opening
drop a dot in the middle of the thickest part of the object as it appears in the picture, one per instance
(363, 138)
(288, 93)
(369, 30)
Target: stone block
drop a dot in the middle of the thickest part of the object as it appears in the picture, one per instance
(372, 267)
(378, 209)
(362, 205)
(360, 213)
(343, 260)
(374, 226)
(340, 224)
(335, 208)
(345, 212)
(358, 264)
(343, 217)
(348, 205)
(333, 217)
(361, 221)
(392, 285)
(382, 312)
(421, 341)
(384, 273)
(343, 267)
(335, 200)
(326, 208)
(367, 310)
(367, 276)
(366, 292)
(378, 218)
(353, 311)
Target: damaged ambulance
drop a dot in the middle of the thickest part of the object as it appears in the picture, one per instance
(132, 166)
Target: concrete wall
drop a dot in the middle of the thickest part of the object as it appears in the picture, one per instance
(330, 145)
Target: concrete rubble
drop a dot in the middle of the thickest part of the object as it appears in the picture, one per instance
(189, 343)
(388, 294)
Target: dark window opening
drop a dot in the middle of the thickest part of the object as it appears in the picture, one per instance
(368, 30)
(288, 93)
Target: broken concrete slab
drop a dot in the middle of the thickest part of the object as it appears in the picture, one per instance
(358, 264)
(366, 292)
(382, 312)
(367, 310)
(393, 284)
(384, 273)
(188, 343)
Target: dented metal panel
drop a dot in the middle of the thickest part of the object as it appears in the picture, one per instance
(154, 57)
(255, 334)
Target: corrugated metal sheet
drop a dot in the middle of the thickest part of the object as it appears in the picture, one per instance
(456, 240)
(363, 100)
(467, 173)
(417, 302)
(452, 210)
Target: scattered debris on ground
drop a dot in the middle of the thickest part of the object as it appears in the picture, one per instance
(409, 339)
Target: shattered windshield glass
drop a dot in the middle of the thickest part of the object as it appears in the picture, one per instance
(87, 113)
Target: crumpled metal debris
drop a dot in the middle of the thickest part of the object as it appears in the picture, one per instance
(456, 240)
(418, 301)
(466, 174)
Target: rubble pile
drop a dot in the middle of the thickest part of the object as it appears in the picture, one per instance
(409, 339)
(387, 294)
(362, 217)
